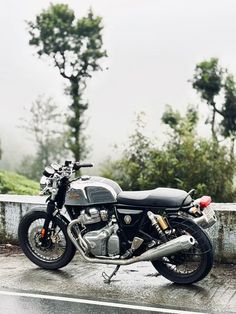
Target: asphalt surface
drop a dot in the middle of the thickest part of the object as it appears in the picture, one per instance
(137, 284)
(26, 303)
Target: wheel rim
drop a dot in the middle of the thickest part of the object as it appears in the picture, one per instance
(185, 263)
(55, 244)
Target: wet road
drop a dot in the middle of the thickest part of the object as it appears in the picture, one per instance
(136, 285)
(26, 303)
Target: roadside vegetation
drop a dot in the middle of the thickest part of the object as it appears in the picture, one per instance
(12, 183)
(184, 161)
(187, 160)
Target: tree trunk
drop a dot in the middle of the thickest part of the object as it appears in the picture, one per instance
(232, 148)
(213, 125)
(75, 120)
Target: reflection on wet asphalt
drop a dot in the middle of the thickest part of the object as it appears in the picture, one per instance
(25, 305)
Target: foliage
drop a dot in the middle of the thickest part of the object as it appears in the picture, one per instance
(181, 126)
(46, 124)
(185, 161)
(228, 124)
(208, 81)
(199, 163)
(75, 46)
(211, 80)
(12, 183)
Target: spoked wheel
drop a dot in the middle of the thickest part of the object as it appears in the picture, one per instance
(187, 267)
(56, 251)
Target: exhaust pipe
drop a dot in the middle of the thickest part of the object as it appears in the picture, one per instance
(183, 242)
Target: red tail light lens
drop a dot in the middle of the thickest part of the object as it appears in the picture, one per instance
(205, 201)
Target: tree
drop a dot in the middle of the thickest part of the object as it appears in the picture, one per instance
(197, 162)
(208, 81)
(185, 161)
(181, 126)
(211, 80)
(228, 123)
(75, 46)
(46, 124)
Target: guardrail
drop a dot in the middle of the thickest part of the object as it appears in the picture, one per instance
(223, 233)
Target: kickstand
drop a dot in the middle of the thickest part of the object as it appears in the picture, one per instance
(107, 278)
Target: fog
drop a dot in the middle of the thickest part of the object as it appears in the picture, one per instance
(153, 47)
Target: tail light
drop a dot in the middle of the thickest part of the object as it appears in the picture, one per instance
(204, 201)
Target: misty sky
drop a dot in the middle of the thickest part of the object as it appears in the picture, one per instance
(153, 47)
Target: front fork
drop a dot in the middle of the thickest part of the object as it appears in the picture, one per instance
(57, 197)
(51, 206)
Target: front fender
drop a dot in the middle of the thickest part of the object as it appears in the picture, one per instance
(43, 208)
(63, 218)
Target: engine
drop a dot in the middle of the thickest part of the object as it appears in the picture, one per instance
(100, 231)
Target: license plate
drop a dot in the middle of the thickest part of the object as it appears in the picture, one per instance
(210, 215)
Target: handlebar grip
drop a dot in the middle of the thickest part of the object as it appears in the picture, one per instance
(78, 165)
(86, 165)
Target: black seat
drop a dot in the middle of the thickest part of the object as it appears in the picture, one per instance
(160, 197)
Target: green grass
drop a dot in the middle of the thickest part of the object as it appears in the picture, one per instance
(13, 183)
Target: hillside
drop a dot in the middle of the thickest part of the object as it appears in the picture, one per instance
(12, 183)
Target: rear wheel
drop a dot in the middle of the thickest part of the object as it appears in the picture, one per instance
(187, 267)
(56, 252)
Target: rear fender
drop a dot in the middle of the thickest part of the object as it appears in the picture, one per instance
(188, 221)
(180, 218)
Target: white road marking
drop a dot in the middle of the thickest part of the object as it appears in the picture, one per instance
(94, 302)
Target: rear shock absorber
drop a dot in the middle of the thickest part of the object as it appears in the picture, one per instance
(160, 225)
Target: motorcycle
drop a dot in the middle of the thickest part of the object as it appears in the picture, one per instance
(110, 226)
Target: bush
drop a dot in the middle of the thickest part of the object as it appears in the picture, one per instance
(12, 183)
(185, 161)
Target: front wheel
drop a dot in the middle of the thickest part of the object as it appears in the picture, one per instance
(187, 267)
(56, 252)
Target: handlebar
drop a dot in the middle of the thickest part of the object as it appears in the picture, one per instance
(78, 165)
(68, 168)
(53, 174)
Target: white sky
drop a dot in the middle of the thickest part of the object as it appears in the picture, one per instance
(153, 47)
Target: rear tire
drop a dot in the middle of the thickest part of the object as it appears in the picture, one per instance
(187, 267)
(58, 251)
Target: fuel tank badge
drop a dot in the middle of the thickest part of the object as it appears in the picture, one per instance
(72, 194)
(127, 219)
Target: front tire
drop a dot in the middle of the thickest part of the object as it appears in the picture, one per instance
(187, 267)
(58, 250)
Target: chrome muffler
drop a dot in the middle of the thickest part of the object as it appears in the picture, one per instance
(182, 243)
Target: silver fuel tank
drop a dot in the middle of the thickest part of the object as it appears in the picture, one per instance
(91, 191)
